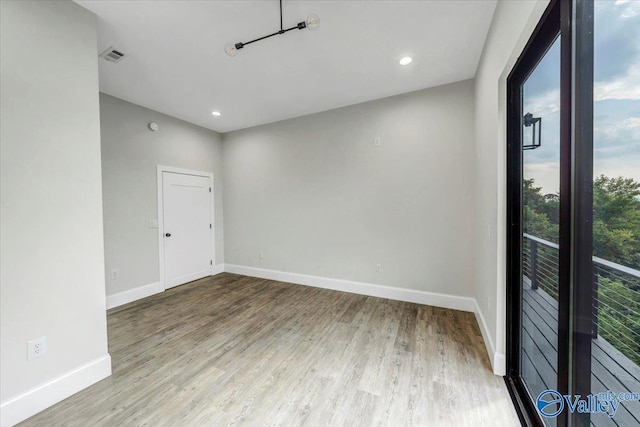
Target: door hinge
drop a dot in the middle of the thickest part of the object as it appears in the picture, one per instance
(210, 226)
(211, 262)
(209, 189)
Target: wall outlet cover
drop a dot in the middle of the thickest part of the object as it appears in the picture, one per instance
(36, 348)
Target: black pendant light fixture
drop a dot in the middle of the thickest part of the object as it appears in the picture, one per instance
(312, 22)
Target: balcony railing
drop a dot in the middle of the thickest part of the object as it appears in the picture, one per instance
(615, 363)
(616, 301)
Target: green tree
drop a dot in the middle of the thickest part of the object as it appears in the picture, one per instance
(616, 220)
(618, 317)
(540, 212)
(538, 224)
(616, 238)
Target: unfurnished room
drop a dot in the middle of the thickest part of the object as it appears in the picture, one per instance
(320, 213)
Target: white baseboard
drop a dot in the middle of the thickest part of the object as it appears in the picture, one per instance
(498, 361)
(409, 295)
(131, 295)
(499, 364)
(217, 269)
(140, 292)
(400, 294)
(361, 288)
(21, 407)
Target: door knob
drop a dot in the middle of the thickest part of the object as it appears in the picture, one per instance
(168, 234)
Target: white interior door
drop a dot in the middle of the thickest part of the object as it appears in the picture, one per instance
(187, 227)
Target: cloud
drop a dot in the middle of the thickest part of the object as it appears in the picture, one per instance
(630, 123)
(625, 87)
(630, 8)
(546, 77)
(543, 104)
(630, 126)
(616, 50)
(617, 132)
(615, 169)
(545, 175)
(616, 95)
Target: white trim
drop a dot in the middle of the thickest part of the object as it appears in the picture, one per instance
(501, 185)
(184, 171)
(217, 269)
(134, 294)
(400, 294)
(497, 359)
(160, 170)
(499, 364)
(25, 405)
(125, 297)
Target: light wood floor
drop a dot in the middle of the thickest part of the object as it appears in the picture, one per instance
(234, 350)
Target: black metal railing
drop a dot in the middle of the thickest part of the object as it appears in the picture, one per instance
(616, 297)
(541, 264)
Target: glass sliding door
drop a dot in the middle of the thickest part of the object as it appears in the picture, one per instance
(573, 248)
(615, 343)
(537, 358)
(540, 225)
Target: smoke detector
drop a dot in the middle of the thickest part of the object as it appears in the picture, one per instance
(112, 55)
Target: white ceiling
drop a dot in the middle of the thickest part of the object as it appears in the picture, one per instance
(176, 62)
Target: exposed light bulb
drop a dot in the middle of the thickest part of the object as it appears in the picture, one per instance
(313, 22)
(216, 113)
(230, 49)
(406, 60)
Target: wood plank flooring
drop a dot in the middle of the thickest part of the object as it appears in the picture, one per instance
(610, 370)
(234, 350)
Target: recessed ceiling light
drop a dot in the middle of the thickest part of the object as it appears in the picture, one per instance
(216, 113)
(406, 60)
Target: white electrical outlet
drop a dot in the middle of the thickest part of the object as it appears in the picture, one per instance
(36, 348)
(115, 273)
(153, 223)
(260, 255)
(378, 268)
(376, 141)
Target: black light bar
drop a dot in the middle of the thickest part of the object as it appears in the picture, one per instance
(312, 22)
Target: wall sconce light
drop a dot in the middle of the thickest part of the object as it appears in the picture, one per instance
(536, 124)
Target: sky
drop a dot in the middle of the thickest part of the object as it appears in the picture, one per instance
(616, 99)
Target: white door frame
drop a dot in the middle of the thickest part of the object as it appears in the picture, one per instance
(161, 170)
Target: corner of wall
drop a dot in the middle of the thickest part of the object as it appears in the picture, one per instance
(510, 30)
(52, 263)
(497, 360)
(29, 403)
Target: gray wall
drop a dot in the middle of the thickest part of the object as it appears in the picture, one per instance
(52, 265)
(513, 23)
(315, 196)
(130, 154)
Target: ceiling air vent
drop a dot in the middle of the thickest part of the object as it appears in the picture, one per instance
(112, 55)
